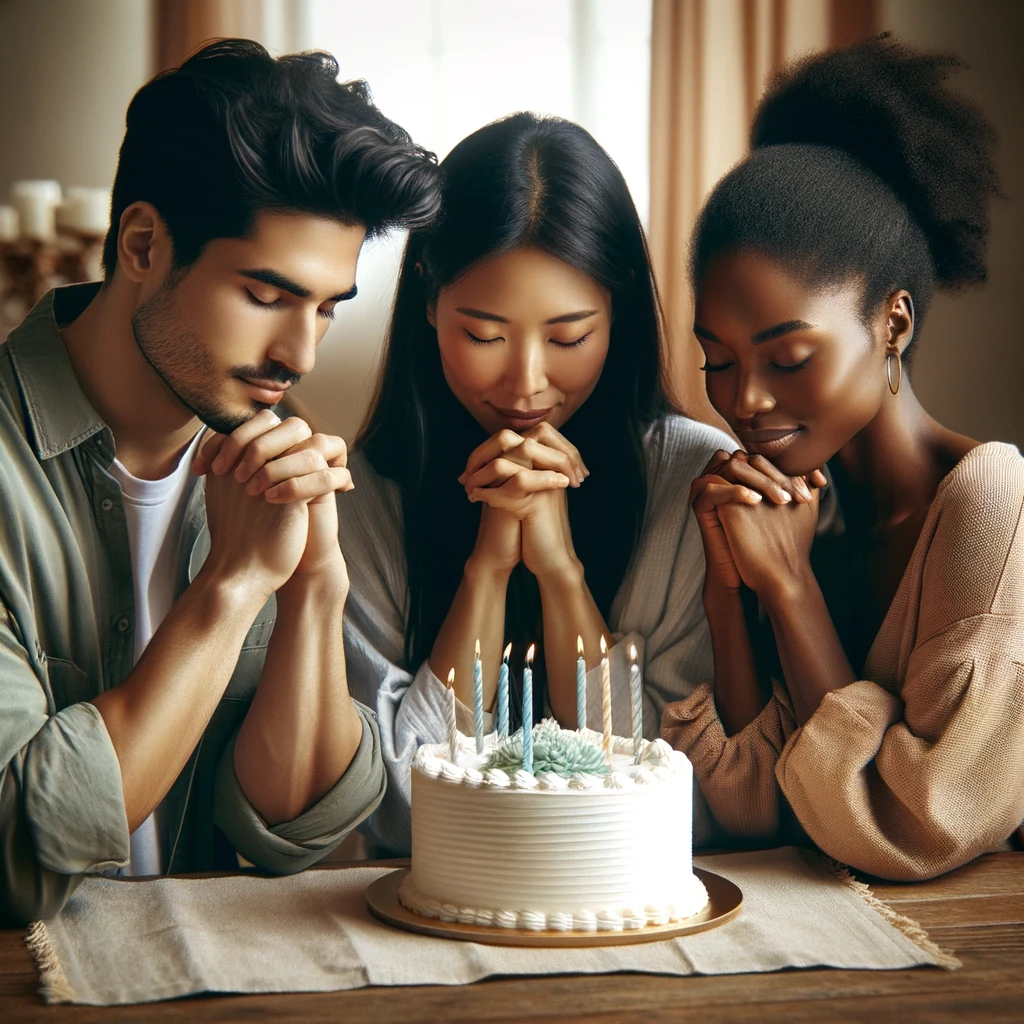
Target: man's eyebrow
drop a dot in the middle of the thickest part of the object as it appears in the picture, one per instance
(277, 280)
(771, 333)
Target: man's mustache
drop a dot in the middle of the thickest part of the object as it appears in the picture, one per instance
(268, 371)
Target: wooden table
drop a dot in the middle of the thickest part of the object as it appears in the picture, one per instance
(977, 911)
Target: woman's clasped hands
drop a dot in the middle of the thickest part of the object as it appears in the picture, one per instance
(521, 479)
(757, 524)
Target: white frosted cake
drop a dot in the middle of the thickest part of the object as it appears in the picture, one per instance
(573, 846)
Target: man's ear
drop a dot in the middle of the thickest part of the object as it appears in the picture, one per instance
(143, 242)
(899, 320)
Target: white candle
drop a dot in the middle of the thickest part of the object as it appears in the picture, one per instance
(36, 202)
(85, 210)
(9, 230)
(606, 701)
(453, 732)
(636, 704)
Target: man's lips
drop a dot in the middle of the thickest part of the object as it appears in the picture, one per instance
(269, 392)
(768, 442)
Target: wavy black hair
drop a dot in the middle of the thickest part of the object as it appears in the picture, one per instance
(233, 132)
(521, 181)
(864, 164)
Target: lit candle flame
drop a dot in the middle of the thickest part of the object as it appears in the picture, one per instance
(579, 645)
(477, 653)
(529, 653)
(451, 677)
(604, 647)
(632, 651)
(507, 652)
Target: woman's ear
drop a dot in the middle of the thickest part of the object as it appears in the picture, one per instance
(899, 321)
(432, 314)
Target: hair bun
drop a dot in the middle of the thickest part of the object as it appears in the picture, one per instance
(889, 107)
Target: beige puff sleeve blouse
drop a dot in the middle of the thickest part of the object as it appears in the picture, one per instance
(918, 767)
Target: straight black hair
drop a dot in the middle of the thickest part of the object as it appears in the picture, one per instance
(522, 181)
(863, 165)
(233, 132)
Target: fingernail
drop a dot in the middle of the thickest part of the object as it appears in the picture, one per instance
(755, 497)
(786, 497)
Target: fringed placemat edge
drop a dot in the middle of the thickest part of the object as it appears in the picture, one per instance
(54, 986)
(947, 960)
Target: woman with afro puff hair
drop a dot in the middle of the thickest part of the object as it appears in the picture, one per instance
(865, 583)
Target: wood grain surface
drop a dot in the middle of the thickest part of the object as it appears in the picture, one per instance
(978, 912)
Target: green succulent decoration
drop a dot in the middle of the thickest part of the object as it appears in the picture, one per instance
(554, 750)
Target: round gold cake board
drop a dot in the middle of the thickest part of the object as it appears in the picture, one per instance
(724, 903)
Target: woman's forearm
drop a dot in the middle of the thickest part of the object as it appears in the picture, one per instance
(477, 613)
(569, 611)
(813, 660)
(737, 690)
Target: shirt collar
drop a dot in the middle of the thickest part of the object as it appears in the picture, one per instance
(58, 413)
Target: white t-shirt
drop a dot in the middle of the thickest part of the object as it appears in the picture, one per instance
(154, 511)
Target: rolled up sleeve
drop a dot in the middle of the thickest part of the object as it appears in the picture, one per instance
(294, 845)
(61, 802)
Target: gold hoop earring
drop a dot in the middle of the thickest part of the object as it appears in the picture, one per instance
(894, 388)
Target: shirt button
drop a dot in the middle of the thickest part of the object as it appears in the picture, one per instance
(106, 504)
(123, 623)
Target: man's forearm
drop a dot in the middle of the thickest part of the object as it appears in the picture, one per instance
(302, 730)
(157, 715)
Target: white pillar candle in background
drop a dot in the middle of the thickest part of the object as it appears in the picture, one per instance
(86, 210)
(36, 202)
(9, 230)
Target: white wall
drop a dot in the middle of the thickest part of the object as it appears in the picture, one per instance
(969, 369)
(68, 69)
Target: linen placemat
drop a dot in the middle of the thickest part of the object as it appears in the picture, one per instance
(128, 942)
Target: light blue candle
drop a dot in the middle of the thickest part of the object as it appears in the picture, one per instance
(478, 699)
(503, 694)
(581, 686)
(528, 712)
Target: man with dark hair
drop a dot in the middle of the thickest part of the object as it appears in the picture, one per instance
(172, 673)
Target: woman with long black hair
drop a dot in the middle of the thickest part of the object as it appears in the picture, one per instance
(520, 477)
(892, 625)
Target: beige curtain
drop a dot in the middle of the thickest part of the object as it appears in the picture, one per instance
(709, 62)
(182, 26)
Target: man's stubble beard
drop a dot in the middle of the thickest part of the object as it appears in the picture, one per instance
(181, 360)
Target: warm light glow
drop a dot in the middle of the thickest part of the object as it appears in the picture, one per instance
(529, 653)
(506, 653)
(579, 645)
(451, 676)
(604, 647)
(477, 655)
(632, 651)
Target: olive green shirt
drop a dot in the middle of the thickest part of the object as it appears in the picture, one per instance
(67, 634)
